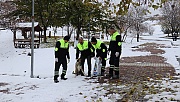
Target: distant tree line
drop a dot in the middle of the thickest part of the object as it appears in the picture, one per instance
(85, 15)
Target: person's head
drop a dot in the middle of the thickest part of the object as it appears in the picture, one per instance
(81, 40)
(111, 30)
(93, 40)
(66, 38)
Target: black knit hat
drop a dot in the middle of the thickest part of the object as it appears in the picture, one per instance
(67, 38)
(93, 39)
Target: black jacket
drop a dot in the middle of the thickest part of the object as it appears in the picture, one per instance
(61, 52)
(113, 46)
(100, 53)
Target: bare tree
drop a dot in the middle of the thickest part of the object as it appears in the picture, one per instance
(171, 18)
(124, 22)
(132, 21)
(6, 8)
(148, 28)
(137, 14)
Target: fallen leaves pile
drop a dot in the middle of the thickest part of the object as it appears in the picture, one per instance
(140, 83)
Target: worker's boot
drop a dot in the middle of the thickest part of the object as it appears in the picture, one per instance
(89, 73)
(102, 72)
(62, 77)
(82, 72)
(116, 76)
(110, 73)
(56, 78)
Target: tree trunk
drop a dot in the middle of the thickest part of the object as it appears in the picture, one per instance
(62, 31)
(78, 28)
(67, 29)
(78, 32)
(124, 36)
(14, 37)
(45, 40)
(138, 37)
(137, 32)
(71, 32)
(55, 31)
(106, 33)
(14, 32)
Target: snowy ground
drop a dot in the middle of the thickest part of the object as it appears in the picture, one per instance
(17, 86)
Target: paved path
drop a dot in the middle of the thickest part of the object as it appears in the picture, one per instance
(147, 64)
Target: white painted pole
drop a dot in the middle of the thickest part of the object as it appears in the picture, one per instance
(32, 41)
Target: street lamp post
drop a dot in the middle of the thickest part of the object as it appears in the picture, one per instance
(32, 41)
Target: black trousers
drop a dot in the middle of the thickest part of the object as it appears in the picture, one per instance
(88, 62)
(103, 64)
(57, 66)
(114, 64)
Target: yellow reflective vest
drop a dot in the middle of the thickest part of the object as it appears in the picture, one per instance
(113, 38)
(98, 44)
(83, 46)
(63, 45)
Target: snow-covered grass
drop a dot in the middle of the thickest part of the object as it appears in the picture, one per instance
(15, 70)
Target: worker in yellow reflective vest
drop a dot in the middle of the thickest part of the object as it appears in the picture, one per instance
(115, 49)
(61, 56)
(101, 52)
(87, 51)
